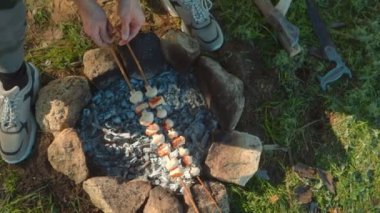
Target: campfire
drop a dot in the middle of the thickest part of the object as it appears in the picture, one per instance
(151, 139)
(158, 142)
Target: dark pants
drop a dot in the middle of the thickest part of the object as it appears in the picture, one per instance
(12, 34)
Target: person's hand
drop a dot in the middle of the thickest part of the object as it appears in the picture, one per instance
(132, 18)
(95, 22)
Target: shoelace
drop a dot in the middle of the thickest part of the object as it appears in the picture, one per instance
(8, 114)
(200, 9)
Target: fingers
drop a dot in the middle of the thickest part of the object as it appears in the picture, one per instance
(104, 34)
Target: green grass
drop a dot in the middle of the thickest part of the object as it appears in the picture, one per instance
(349, 145)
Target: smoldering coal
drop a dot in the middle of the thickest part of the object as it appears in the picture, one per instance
(115, 141)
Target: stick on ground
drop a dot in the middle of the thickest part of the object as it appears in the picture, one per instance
(209, 194)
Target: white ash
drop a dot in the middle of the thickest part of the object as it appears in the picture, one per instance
(116, 142)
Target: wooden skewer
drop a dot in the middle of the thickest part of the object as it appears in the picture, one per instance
(121, 67)
(189, 196)
(138, 64)
(209, 194)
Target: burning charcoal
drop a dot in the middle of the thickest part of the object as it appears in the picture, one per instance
(136, 144)
(133, 160)
(116, 120)
(161, 112)
(158, 139)
(130, 115)
(174, 186)
(147, 150)
(150, 91)
(146, 118)
(156, 182)
(187, 174)
(130, 177)
(136, 97)
(152, 129)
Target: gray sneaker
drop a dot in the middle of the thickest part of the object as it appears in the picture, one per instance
(17, 125)
(195, 14)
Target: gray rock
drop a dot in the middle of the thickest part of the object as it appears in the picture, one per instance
(100, 67)
(162, 201)
(60, 102)
(147, 48)
(66, 155)
(112, 196)
(205, 204)
(180, 49)
(223, 92)
(234, 157)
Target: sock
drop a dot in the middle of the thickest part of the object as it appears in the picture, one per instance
(18, 78)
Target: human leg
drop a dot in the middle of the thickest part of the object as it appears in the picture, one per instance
(18, 88)
(200, 23)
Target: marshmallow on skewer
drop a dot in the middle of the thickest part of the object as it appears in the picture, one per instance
(161, 112)
(136, 96)
(156, 101)
(172, 164)
(183, 151)
(172, 134)
(152, 129)
(187, 160)
(150, 91)
(146, 118)
(195, 171)
(169, 123)
(178, 141)
(158, 139)
(178, 172)
(139, 108)
(163, 149)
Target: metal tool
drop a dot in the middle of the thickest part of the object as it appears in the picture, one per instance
(327, 48)
(287, 32)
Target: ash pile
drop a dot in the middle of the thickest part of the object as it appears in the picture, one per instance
(116, 142)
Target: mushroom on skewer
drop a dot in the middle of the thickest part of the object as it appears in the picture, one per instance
(172, 134)
(178, 141)
(158, 139)
(152, 129)
(168, 124)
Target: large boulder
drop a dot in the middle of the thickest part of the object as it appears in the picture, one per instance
(162, 201)
(180, 49)
(112, 196)
(205, 204)
(60, 102)
(66, 155)
(100, 67)
(223, 92)
(234, 157)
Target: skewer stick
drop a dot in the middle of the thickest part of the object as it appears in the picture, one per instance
(209, 194)
(138, 64)
(121, 67)
(189, 196)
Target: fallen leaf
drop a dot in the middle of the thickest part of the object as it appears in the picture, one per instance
(327, 179)
(305, 171)
(273, 199)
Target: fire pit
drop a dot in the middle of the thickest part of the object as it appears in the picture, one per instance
(116, 142)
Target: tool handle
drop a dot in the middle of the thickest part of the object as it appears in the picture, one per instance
(334, 75)
(319, 26)
(265, 6)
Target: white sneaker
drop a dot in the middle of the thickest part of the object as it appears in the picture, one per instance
(195, 14)
(17, 124)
